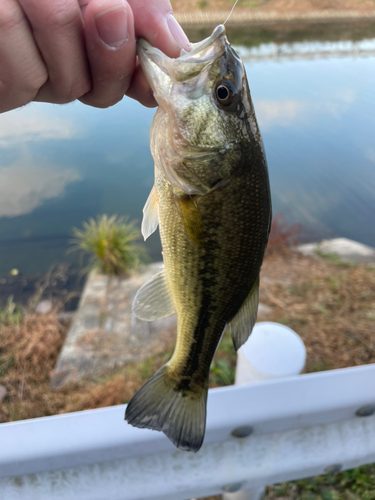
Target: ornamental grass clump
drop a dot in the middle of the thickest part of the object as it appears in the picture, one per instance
(111, 244)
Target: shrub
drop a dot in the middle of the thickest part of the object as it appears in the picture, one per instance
(110, 242)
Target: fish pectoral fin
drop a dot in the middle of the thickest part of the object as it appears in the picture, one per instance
(153, 300)
(242, 324)
(161, 406)
(150, 219)
(191, 217)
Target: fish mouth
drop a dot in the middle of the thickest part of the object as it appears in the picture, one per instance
(206, 43)
(162, 71)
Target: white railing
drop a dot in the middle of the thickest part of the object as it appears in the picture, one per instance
(257, 434)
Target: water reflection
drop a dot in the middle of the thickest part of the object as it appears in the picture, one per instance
(318, 135)
(33, 124)
(60, 165)
(24, 186)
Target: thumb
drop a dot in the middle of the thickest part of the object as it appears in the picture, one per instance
(154, 21)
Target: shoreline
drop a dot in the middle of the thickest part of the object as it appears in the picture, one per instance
(265, 17)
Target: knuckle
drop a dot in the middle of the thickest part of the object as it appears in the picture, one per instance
(107, 91)
(10, 17)
(63, 14)
(31, 84)
(102, 102)
(71, 90)
(37, 82)
(25, 88)
(78, 89)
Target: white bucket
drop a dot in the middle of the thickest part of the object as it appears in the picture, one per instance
(272, 351)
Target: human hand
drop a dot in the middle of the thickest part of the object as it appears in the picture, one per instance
(61, 50)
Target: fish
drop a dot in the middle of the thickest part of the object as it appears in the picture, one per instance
(211, 200)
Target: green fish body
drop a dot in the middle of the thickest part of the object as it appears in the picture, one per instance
(212, 202)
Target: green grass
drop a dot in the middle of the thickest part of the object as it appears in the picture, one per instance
(331, 257)
(111, 244)
(202, 4)
(6, 363)
(223, 366)
(11, 314)
(354, 484)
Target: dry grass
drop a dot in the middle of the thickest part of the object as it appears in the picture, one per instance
(331, 306)
(28, 353)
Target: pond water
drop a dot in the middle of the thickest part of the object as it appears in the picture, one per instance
(315, 103)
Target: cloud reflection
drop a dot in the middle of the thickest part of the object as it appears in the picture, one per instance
(278, 113)
(294, 112)
(32, 124)
(23, 187)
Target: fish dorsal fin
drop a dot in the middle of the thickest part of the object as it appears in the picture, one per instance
(150, 214)
(191, 218)
(242, 324)
(153, 300)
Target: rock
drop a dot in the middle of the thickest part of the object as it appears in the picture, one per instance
(3, 393)
(104, 335)
(347, 250)
(43, 307)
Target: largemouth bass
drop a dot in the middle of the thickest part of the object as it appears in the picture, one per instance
(212, 202)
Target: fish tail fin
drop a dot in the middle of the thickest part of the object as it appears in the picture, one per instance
(160, 405)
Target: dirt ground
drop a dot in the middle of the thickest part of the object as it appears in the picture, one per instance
(273, 5)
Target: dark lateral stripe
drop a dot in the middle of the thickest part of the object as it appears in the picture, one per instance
(204, 327)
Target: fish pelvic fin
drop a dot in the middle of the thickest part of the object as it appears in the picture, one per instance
(160, 405)
(243, 322)
(150, 214)
(153, 300)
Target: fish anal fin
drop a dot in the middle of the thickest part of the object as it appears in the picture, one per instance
(153, 300)
(191, 217)
(243, 322)
(150, 219)
(160, 406)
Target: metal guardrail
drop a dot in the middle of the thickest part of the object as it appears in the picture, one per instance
(257, 434)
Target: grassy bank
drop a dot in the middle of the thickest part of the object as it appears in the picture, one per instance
(328, 302)
(289, 33)
(273, 5)
(282, 6)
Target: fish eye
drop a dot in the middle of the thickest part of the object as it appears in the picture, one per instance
(224, 94)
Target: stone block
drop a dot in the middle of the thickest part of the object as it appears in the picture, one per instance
(347, 250)
(104, 335)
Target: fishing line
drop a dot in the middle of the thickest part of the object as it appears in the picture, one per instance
(230, 13)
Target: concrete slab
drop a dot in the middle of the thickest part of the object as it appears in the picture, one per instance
(347, 250)
(104, 334)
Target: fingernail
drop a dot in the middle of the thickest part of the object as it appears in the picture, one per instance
(178, 33)
(112, 26)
